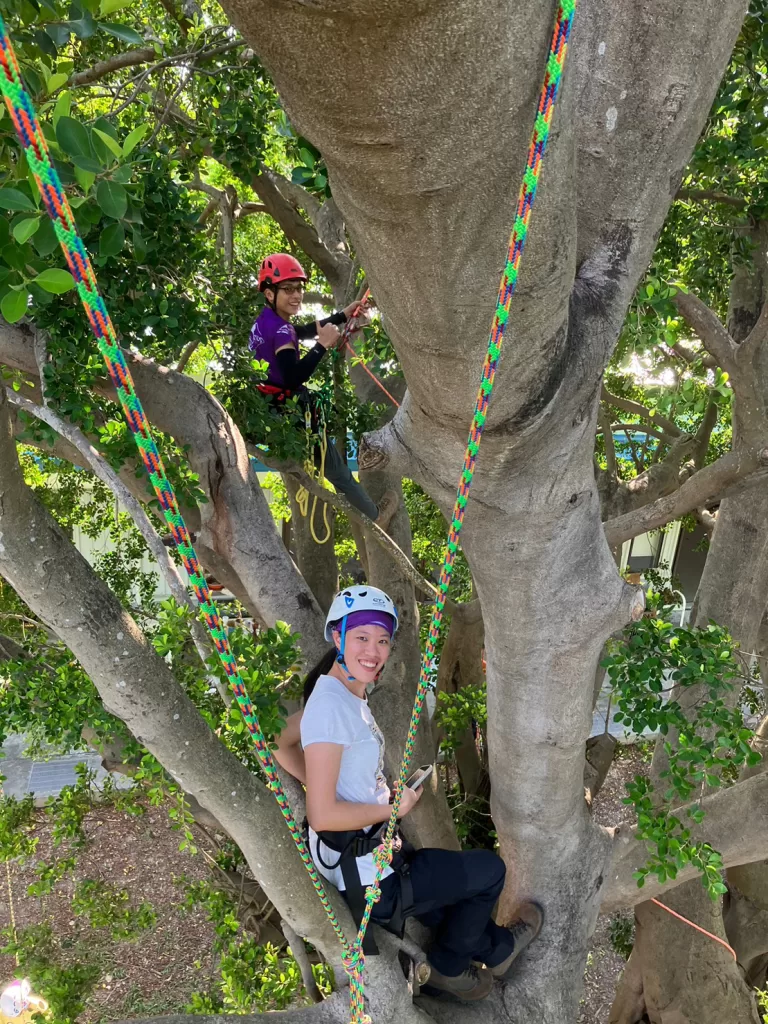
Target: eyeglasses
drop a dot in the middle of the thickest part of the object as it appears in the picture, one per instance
(291, 289)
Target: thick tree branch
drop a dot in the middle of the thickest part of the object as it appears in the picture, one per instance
(699, 195)
(101, 469)
(137, 686)
(641, 428)
(688, 356)
(610, 448)
(248, 209)
(126, 59)
(299, 951)
(178, 16)
(627, 405)
(334, 1010)
(704, 433)
(756, 336)
(712, 482)
(10, 650)
(186, 354)
(723, 827)
(714, 337)
(236, 524)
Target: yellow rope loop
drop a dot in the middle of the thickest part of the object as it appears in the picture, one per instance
(302, 495)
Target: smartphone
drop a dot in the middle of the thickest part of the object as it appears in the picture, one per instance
(420, 776)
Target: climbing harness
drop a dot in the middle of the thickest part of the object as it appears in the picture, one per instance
(30, 135)
(359, 843)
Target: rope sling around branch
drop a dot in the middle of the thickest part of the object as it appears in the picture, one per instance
(30, 134)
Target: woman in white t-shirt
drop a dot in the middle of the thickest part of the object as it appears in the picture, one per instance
(336, 749)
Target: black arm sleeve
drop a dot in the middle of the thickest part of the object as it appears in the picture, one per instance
(306, 331)
(296, 371)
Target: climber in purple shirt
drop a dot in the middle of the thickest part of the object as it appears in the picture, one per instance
(275, 340)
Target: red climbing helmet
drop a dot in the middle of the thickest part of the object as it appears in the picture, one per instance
(280, 267)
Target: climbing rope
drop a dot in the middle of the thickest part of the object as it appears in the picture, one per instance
(30, 134)
(302, 494)
(349, 327)
(715, 938)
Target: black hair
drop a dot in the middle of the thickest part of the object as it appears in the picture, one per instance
(322, 668)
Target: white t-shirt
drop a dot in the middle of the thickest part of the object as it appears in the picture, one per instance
(333, 714)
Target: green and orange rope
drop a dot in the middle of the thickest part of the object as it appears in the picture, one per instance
(30, 134)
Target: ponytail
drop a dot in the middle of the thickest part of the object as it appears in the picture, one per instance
(322, 668)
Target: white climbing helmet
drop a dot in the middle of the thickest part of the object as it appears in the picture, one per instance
(358, 599)
(14, 1000)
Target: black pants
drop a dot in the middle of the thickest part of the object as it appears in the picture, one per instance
(454, 894)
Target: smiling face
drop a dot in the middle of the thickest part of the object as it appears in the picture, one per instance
(366, 649)
(287, 298)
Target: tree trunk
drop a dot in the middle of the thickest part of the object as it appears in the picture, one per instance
(424, 164)
(461, 664)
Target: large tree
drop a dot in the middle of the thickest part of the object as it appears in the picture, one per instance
(422, 114)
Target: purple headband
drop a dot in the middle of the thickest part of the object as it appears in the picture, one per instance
(367, 618)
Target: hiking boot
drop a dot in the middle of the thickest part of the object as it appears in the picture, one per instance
(472, 984)
(524, 929)
(387, 508)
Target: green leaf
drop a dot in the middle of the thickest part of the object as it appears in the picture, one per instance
(12, 199)
(111, 240)
(24, 230)
(84, 27)
(87, 163)
(45, 240)
(134, 138)
(56, 81)
(84, 178)
(13, 305)
(73, 137)
(56, 281)
(112, 198)
(127, 35)
(139, 246)
(110, 6)
(109, 142)
(105, 125)
(59, 31)
(63, 106)
(45, 43)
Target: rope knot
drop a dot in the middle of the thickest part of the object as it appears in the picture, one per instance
(353, 961)
(373, 894)
(382, 857)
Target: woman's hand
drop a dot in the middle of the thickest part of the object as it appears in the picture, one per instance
(409, 799)
(328, 335)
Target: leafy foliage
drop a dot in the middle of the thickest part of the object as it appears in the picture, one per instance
(711, 740)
